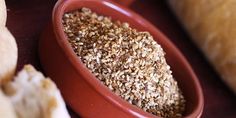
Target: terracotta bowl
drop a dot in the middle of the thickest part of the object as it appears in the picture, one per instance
(82, 91)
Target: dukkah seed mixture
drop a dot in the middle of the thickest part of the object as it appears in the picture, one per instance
(130, 63)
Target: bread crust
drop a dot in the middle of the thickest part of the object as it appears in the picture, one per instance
(3, 13)
(35, 96)
(8, 48)
(8, 55)
(211, 23)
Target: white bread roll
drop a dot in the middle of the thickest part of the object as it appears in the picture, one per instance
(35, 96)
(6, 108)
(212, 25)
(3, 13)
(30, 94)
(8, 48)
(8, 55)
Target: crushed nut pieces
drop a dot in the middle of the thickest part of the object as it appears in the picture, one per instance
(130, 63)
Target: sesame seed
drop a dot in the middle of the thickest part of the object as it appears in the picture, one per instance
(129, 62)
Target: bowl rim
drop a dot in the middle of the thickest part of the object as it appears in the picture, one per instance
(58, 12)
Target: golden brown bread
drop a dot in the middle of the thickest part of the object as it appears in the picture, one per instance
(212, 25)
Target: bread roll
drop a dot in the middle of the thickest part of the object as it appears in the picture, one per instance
(212, 25)
(6, 108)
(8, 55)
(8, 48)
(30, 94)
(35, 96)
(3, 13)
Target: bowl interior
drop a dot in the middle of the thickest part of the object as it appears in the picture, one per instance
(182, 72)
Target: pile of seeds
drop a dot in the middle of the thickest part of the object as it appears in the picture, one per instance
(128, 62)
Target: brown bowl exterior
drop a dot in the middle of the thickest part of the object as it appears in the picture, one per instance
(84, 93)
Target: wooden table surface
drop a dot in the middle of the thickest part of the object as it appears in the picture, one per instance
(27, 18)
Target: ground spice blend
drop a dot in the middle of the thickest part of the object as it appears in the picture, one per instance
(130, 63)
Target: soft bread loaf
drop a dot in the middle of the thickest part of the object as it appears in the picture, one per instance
(8, 55)
(3, 13)
(34, 96)
(8, 48)
(212, 25)
(6, 108)
(30, 94)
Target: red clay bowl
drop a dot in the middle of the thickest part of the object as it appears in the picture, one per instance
(84, 93)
